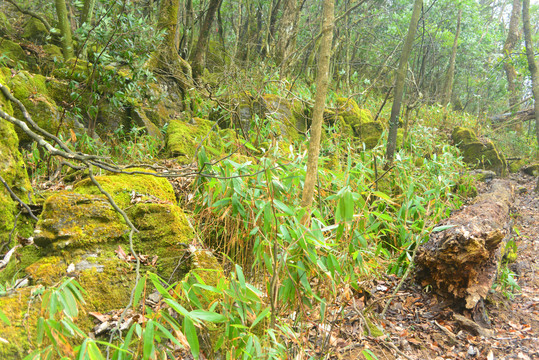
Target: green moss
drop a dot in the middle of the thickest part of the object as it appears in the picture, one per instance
(47, 271)
(13, 51)
(35, 31)
(515, 166)
(22, 310)
(12, 167)
(32, 91)
(163, 232)
(352, 114)
(479, 153)
(26, 256)
(5, 25)
(532, 169)
(184, 138)
(284, 123)
(77, 220)
(122, 186)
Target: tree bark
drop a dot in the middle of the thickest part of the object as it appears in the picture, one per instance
(87, 12)
(400, 82)
(532, 65)
(510, 71)
(448, 85)
(198, 62)
(65, 29)
(322, 79)
(462, 260)
(286, 43)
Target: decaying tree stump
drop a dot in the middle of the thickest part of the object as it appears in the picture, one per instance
(462, 260)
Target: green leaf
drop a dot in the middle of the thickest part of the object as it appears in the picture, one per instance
(208, 316)
(148, 348)
(241, 277)
(138, 291)
(442, 228)
(4, 318)
(190, 333)
(262, 315)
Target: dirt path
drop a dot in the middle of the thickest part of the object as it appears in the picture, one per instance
(422, 325)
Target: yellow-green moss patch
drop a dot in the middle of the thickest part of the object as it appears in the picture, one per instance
(77, 220)
(125, 187)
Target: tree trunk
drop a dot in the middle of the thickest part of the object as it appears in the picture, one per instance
(167, 62)
(286, 42)
(203, 37)
(462, 260)
(65, 29)
(448, 85)
(399, 83)
(87, 12)
(532, 65)
(322, 79)
(512, 38)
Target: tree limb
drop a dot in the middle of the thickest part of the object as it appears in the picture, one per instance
(31, 13)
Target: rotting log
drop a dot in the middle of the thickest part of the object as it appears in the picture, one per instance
(462, 259)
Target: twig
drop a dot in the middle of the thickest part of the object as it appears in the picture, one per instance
(394, 347)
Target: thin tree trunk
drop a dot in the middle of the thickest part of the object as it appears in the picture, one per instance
(510, 71)
(448, 85)
(203, 37)
(65, 29)
(399, 83)
(532, 65)
(286, 42)
(322, 80)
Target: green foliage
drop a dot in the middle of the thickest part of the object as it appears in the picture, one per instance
(506, 282)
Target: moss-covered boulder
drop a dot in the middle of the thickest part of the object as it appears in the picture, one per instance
(32, 91)
(359, 121)
(480, 153)
(184, 138)
(35, 31)
(13, 52)
(77, 220)
(12, 169)
(515, 166)
(127, 189)
(282, 118)
(164, 232)
(532, 169)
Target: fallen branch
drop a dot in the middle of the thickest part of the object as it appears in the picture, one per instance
(7, 257)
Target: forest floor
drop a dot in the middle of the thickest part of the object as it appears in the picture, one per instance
(422, 325)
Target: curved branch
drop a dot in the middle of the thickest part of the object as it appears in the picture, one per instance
(32, 14)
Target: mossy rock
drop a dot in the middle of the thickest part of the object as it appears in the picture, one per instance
(532, 169)
(127, 187)
(77, 220)
(12, 168)
(5, 25)
(281, 110)
(163, 232)
(183, 138)
(35, 31)
(139, 118)
(515, 166)
(482, 154)
(13, 52)
(352, 114)
(31, 90)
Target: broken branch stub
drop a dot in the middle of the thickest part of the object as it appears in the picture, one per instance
(462, 260)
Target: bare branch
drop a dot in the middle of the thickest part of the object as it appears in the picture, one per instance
(31, 13)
